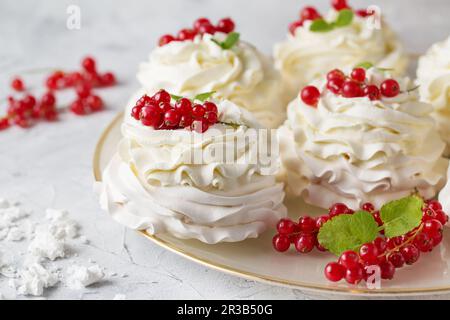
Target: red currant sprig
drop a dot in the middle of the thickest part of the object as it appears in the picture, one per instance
(311, 14)
(201, 26)
(353, 86)
(158, 112)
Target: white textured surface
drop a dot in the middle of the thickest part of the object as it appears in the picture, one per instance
(50, 165)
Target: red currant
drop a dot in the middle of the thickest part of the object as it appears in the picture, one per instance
(199, 126)
(294, 25)
(225, 25)
(162, 96)
(108, 79)
(335, 85)
(211, 118)
(186, 34)
(151, 116)
(29, 101)
(432, 227)
(307, 224)
(305, 243)
(136, 112)
(390, 88)
(335, 272)
(310, 95)
(200, 22)
(94, 102)
(437, 239)
(369, 253)
(410, 253)
(286, 226)
(335, 74)
(354, 275)
(368, 207)
(441, 217)
(88, 64)
(309, 13)
(51, 115)
(339, 4)
(363, 13)
(351, 89)
(397, 259)
(4, 123)
(423, 242)
(320, 221)
(358, 74)
(387, 270)
(48, 99)
(372, 92)
(184, 106)
(349, 259)
(165, 106)
(198, 112)
(337, 209)
(186, 120)
(381, 245)
(434, 205)
(210, 107)
(172, 118)
(207, 28)
(17, 84)
(281, 243)
(165, 39)
(83, 90)
(77, 107)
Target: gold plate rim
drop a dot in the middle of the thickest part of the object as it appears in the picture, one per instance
(250, 275)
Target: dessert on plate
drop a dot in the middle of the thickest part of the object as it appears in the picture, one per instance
(342, 38)
(361, 137)
(433, 76)
(212, 58)
(193, 168)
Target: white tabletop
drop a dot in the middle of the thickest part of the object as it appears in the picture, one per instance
(50, 164)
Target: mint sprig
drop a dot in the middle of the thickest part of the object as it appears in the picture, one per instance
(175, 97)
(351, 231)
(365, 65)
(231, 39)
(204, 96)
(401, 216)
(344, 18)
(348, 232)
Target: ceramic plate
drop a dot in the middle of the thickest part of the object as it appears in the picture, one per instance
(255, 259)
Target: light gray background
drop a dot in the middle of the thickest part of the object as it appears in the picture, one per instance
(50, 165)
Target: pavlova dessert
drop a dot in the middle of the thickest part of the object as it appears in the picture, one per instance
(433, 77)
(340, 39)
(210, 58)
(361, 137)
(195, 169)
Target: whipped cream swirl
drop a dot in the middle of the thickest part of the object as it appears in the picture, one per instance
(307, 55)
(242, 75)
(433, 76)
(356, 150)
(153, 183)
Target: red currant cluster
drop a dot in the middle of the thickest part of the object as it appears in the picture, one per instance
(27, 110)
(386, 253)
(158, 112)
(201, 26)
(311, 13)
(353, 86)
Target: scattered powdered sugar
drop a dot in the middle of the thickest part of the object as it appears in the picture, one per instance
(79, 277)
(47, 243)
(120, 296)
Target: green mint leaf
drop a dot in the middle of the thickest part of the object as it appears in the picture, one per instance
(204, 96)
(175, 97)
(220, 44)
(320, 25)
(348, 232)
(231, 124)
(231, 40)
(401, 216)
(344, 18)
(366, 65)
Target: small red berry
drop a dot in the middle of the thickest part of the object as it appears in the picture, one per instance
(198, 112)
(88, 64)
(337, 209)
(94, 102)
(369, 253)
(351, 89)
(144, 100)
(162, 96)
(184, 106)
(310, 95)
(200, 22)
(372, 92)
(335, 85)
(335, 74)
(437, 239)
(172, 118)
(434, 205)
(305, 243)
(165, 39)
(108, 79)
(294, 25)
(151, 116)
(48, 99)
(387, 270)
(334, 271)
(77, 107)
(186, 120)
(211, 118)
(390, 88)
(207, 28)
(210, 107)
(199, 126)
(17, 84)
(309, 13)
(51, 115)
(225, 25)
(363, 13)
(410, 253)
(286, 226)
(339, 4)
(136, 112)
(165, 106)
(397, 259)
(432, 227)
(358, 74)
(22, 122)
(307, 224)
(83, 90)
(369, 207)
(349, 259)
(381, 245)
(354, 275)
(29, 101)
(4, 123)
(281, 243)
(377, 217)
(320, 221)
(441, 217)
(186, 34)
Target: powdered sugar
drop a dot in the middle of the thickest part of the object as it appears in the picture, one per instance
(79, 277)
